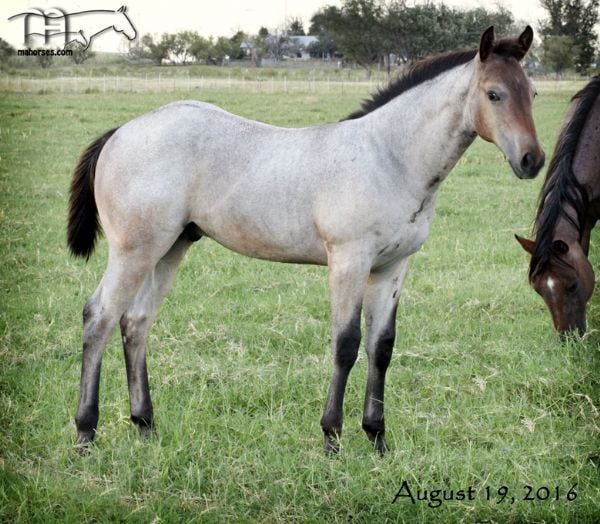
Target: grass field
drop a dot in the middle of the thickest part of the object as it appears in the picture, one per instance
(480, 393)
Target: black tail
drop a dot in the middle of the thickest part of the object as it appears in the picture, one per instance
(83, 225)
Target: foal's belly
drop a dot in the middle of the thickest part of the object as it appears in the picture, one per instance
(258, 247)
(277, 240)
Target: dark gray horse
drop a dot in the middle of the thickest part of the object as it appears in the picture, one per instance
(568, 210)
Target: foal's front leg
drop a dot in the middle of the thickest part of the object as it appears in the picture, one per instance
(348, 273)
(380, 304)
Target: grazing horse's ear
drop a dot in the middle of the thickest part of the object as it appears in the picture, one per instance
(122, 9)
(487, 43)
(526, 244)
(525, 39)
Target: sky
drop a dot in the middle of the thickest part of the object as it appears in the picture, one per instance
(212, 17)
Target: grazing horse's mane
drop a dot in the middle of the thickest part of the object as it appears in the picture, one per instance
(561, 188)
(427, 69)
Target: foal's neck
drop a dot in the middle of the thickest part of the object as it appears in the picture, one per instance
(428, 128)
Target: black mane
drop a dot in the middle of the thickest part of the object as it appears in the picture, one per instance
(561, 188)
(414, 74)
(429, 68)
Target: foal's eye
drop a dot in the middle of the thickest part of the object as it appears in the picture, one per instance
(493, 96)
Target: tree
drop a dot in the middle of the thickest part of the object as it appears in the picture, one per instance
(558, 52)
(200, 48)
(295, 27)
(371, 31)
(44, 57)
(275, 45)
(356, 28)
(80, 53)
(159, 51)
(137, 50)
(257, 49)
(472, 22)
(6, 51)
(415, 31)
(224, 49)
(182, 43)
(575, 19)
(326, 46)
(237, 53)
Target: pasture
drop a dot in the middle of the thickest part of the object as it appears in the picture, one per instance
(480, 393)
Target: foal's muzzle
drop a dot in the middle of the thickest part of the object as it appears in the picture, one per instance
(530, 165)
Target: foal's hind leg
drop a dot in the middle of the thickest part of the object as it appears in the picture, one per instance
(380, 304)
(121, 281)
(135, 324)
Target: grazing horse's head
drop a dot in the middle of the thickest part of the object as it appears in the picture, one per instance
(565, 282)
(501, 97)
(123, 24)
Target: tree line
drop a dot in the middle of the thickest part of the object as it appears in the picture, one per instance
(371, 32)
(380, 33)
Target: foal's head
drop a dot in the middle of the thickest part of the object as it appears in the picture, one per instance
(565, 282)
(500, 100)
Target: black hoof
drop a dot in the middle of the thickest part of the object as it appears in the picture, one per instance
(84, 440)
(377, 438)
(332, 444)
(145, 426)
(379, 444)
(147, 432)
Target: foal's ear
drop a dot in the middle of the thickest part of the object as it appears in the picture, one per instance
(486, 43)
(525, 39)
(526, 244)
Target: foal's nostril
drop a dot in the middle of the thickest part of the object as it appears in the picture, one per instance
(528, 162)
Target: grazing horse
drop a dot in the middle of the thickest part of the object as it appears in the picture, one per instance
(357, 196)
(568, 209)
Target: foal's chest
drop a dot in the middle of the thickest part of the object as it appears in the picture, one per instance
(407, 231)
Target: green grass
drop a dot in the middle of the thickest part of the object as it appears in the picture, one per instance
(480, 392)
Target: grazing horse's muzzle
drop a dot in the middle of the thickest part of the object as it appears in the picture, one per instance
(577, 328)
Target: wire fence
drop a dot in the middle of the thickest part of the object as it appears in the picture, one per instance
(158, 83)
